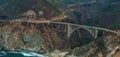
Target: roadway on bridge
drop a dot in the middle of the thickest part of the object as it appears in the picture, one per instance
(83, 26)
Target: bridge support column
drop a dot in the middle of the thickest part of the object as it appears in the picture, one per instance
(95, 33)
(69, 30)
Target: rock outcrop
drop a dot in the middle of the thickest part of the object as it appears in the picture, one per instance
(105, 46)
(51, 41)
(31, 37)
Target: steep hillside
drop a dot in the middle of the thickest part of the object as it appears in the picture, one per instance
(46, 39)
(32, 37)
(102, 13)
(15, 8)
(106, 46)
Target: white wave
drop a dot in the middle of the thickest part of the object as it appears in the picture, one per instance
(32, 54)
(29, 54)
(26, 54)
(36, 54)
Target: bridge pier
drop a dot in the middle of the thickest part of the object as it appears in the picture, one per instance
(95, 33)
(69, 30)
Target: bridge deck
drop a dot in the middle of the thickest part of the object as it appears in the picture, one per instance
(84, 26)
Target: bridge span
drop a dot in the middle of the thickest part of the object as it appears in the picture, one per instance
(71, 28)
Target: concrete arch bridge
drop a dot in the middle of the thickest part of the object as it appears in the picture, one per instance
(70, 28)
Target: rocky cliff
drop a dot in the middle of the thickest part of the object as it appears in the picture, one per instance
(43, 38)
(50, 39)
(106, 46)
(32, 37)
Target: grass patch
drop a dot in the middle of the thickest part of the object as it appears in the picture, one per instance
(111, 8)
(115, 25)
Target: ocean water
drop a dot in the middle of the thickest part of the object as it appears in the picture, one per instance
(19, 54)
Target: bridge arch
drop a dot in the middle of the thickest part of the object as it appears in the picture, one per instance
(93, 32)
(81, 37)
(69, 24)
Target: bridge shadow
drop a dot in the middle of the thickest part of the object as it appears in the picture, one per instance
(80, 37)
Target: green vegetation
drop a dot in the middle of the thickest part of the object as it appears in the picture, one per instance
(116, 24)
(16, 8)
(113, 0)
(112, 8)
(85, 41)
(115, 10)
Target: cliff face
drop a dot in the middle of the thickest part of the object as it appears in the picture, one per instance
(43, 38)
(29, 37)
(106, 46)
(15, 37)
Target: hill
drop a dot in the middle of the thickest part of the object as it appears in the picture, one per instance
(10, 9)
